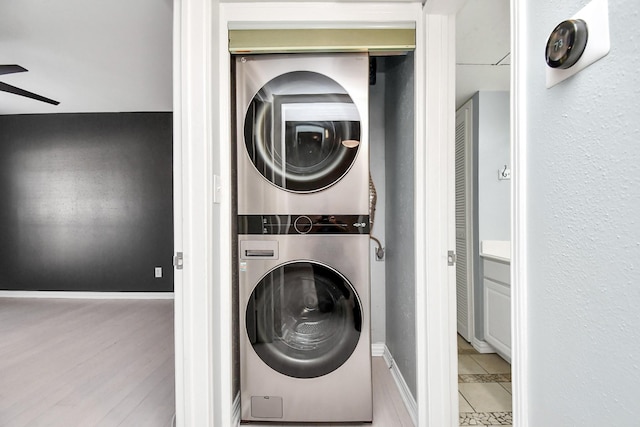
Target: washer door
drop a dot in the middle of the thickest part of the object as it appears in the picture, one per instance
(304, 319)
(302, 131)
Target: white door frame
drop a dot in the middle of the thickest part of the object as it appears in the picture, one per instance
(178, 327)
(519, 208)
(202, 129)
(202, 226)
(436, 300)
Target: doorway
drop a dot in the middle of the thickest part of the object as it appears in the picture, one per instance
(203, 308)
(482, 102)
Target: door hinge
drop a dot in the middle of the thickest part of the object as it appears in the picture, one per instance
(451, 258)
(178, 261)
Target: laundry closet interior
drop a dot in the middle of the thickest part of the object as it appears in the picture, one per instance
(292, 221)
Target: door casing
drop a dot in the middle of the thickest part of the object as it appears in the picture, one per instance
(203, 206)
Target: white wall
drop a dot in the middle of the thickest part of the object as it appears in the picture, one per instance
(581, 223)
(90, 56)
(492, 108)
(491, 197)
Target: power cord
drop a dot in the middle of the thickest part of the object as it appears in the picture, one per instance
(379, 249)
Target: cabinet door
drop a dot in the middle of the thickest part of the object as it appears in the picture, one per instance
(497, 318)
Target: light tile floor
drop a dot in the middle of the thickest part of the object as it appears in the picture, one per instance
(484, 384)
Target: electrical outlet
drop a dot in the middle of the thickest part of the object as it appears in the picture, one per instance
(379, 253)
(158, 272)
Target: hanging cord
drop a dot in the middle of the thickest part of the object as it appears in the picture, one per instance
(373, 198)
(379, 249)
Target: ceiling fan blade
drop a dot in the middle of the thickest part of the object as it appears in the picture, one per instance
(17, 91)
(10, 69)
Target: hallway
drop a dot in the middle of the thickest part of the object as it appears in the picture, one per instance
(484, 385)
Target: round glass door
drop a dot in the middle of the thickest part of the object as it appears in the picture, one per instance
(304, 319)
(302, 131)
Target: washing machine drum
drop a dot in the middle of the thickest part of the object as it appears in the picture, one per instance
(302, 131)
(304, 319)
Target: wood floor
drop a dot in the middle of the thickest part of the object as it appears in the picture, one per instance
(109, 363)
(67, 363)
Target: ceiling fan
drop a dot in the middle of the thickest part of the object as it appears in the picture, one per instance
(10, 69)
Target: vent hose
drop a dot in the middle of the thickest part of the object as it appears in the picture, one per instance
(373, 199)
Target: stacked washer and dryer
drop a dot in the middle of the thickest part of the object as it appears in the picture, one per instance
(303, 237)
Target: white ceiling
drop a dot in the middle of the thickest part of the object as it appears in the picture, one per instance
(91, 56)
(116, 55)
(482, 48)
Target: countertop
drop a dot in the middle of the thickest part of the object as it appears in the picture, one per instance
(499, 250)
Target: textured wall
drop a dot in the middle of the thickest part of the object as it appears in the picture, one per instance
(87, 202)
(583, 226)
(377, 115)
(400, 218)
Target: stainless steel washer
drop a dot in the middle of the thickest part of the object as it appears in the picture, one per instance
(302, 133)
(305, 346)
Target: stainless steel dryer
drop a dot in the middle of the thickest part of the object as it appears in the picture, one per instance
(302, 133)
(305, 346)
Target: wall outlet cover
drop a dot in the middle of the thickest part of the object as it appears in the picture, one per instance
(596, 15)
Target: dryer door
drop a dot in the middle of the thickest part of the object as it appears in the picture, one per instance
(304, 319)
(302, 131)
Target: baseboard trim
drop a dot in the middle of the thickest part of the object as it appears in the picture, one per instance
(235, 410)
(482, 346)
(86, 295)
(403, 388)
(377, 349)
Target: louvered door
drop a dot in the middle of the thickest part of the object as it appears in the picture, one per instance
(464, 237)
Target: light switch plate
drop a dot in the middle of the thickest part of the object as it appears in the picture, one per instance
(596, 15)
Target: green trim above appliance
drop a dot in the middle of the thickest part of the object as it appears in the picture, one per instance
(289, 40)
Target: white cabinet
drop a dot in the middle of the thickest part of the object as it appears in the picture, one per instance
(497, 306)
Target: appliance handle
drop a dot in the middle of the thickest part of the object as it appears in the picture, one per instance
(259, 253)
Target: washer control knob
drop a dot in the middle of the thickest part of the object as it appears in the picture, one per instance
(303, 224)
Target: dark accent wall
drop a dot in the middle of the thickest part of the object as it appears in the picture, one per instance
(87, 202)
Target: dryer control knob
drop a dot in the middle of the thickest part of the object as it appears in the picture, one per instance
(303, 224)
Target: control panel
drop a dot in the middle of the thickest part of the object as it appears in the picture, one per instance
(303, 224)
